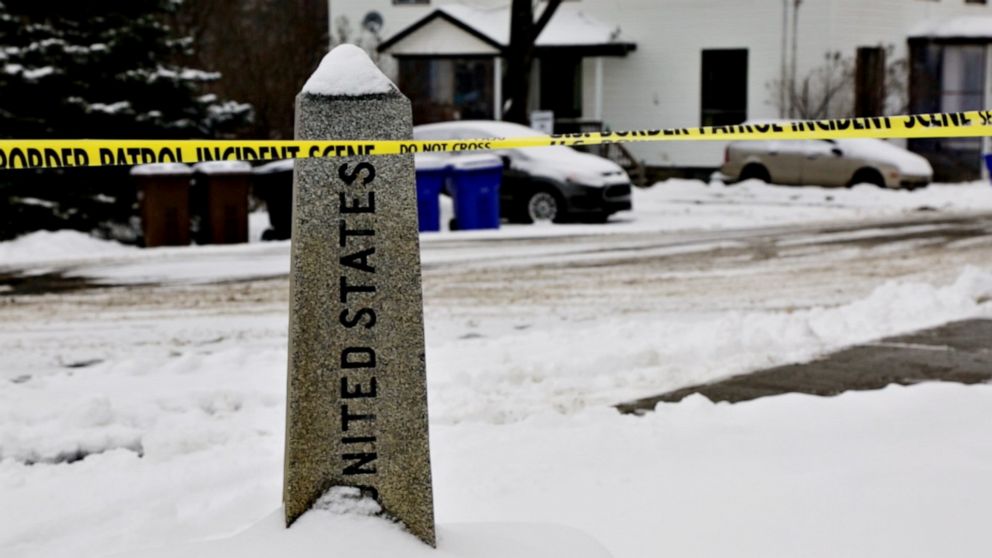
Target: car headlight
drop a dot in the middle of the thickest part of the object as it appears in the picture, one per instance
(586, 179)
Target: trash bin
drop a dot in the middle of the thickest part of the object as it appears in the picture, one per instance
(988, 163)
(163, 200)
(273, 184)
(220, 201)
(475, 188)
(432, 171)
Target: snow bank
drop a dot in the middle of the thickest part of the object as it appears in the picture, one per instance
(576, 366)
(898, 472)
(192, 394)
(58, 246)
(343, 525)
(347, 71)
(753, 202)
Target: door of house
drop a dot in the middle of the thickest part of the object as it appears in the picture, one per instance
(723, 101)
(561, 85)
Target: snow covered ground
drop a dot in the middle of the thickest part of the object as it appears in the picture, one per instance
(151, 415)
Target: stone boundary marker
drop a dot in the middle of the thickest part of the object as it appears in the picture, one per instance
(356, 412)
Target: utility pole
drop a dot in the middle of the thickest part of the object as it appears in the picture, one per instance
(783, 97)
(795, 54)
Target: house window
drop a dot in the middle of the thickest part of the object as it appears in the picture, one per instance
(963, 80)
(448, 88)
(724, 88)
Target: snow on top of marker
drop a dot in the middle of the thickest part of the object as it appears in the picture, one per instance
(347, 71)
(969, 26)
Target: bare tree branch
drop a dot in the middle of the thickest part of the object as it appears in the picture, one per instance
(546, 15)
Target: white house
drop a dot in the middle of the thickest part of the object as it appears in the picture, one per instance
(630, 64)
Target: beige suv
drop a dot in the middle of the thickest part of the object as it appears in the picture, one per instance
(843, 162)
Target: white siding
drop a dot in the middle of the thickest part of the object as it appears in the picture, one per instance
(658, 85)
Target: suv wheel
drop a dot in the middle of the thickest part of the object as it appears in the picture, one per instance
(754, 171)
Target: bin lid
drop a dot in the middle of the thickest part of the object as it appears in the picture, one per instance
(429, 162)
(479, 161)
(285, 165)
(159, 169)
(223, 167)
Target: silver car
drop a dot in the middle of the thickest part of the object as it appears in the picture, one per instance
(842, 162)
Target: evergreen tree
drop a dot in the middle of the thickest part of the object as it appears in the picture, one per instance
(95, 69)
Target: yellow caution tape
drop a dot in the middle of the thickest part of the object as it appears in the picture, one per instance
(40, 154)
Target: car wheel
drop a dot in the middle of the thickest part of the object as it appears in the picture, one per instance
(755, 171)
(542, 206)
(867, 176)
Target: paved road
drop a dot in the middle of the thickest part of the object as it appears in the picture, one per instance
(606, 274)
(776, 269)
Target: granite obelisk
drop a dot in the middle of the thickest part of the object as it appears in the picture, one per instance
(357, 398)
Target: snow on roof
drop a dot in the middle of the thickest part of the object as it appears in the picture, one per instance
(491, 22)
(570, 26)
(347, 71)
(977, 27)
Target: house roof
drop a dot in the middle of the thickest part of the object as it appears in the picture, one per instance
(970, 27)
(570, 28)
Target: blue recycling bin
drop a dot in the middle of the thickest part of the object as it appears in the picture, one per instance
(476, 180)
(988, 163)
(431, 174)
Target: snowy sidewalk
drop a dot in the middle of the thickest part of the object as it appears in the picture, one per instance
(958, 352)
